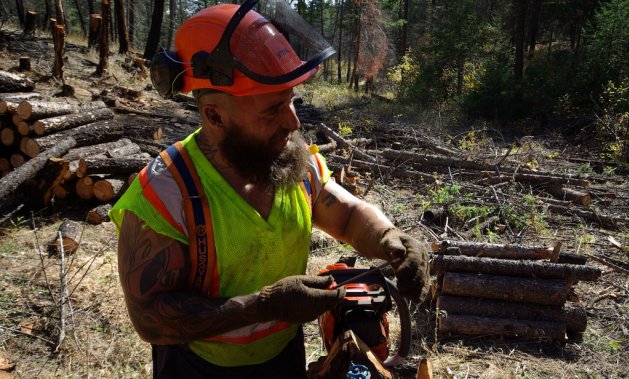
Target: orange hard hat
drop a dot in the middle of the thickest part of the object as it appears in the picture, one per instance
(237, 50)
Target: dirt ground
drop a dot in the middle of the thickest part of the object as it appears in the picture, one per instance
(99, 340)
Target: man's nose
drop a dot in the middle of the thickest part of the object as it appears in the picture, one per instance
(289, 118)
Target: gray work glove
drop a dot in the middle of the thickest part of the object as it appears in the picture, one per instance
(298, 299)
(411, 270)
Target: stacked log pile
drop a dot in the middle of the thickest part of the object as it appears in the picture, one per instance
(55, 150)
(507, 290)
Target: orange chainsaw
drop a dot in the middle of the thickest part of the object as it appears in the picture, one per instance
(369, 298)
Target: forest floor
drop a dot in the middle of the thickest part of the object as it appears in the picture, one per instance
(100, 340)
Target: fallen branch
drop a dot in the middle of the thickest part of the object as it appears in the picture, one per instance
(356, 152)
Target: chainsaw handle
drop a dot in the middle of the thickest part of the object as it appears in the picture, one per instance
(404, 345)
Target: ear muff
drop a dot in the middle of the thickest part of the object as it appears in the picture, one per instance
(166, 73)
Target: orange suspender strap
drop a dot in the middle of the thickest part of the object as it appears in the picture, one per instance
(204, 274)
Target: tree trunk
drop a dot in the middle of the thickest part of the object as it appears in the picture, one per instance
(90, 6)
(103, 63)
(533, 26)
(96, 21)
(30, 23)
(339, 61)
(155, 31)
(80, 15)
(492, 250)
(520, 7)
(116, 166)
(61, 18)
(94, 149)
(404, 28)
(123, 32)
(171, 22)
(59, 39)
(92, 133)
(131, 22)
(19, 6)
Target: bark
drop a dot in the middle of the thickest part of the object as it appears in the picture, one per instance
(605, 221)
(14, 83)
(103, 63)
(503, 251)
(484, 326)
(124, 151)
(532, 269)
(524, 290)
(59, 123)
(19, 6)
(48, 178)
(59, 12)
(572, 314)
(339, 74)
(155, 31)
(519, 7)
(18, 96)
(108, 189)
(70, 236)
(171, 22)
(30, 23)
(131, 22)
(426, 161)
(98, 215)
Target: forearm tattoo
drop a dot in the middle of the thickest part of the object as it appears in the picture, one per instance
(153, 272)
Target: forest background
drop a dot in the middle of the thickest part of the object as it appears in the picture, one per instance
(518, 66)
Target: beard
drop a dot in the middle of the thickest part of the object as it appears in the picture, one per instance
(257, 161)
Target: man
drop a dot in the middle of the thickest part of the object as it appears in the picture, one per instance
(215, 232)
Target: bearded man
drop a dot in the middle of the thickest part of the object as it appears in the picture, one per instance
(215, 232)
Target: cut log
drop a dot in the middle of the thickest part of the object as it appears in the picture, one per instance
(48, 178)
(425, 161)
(19, 96)
(572, 314)
(100, 132)
(605, 221)
(25, 129)
(348, 349)
(489, 326)
(7, 136)
(91, 150)
(16, 119)
(492, 250)
(8, 106)
(38, 109)
(5, 164)
(355, 152)
(70, 236)
(84, 188)
(145, 129)
(491, 177)
(108, 189)
(519, 268)
(30, 147)
(98, 215)
(132, 177)
(17, 160)
(575, 196)
(91, 133)
(115, 166)
(13, 83)
(58, 123)
(525, 290)
(63, 191)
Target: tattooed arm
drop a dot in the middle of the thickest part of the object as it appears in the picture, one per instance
(153, 271)
(349, 219)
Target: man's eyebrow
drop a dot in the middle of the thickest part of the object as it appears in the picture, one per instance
(272, 108)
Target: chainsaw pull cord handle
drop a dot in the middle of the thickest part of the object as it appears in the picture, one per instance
(404, 345)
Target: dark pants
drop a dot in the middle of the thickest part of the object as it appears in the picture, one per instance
(177, 361)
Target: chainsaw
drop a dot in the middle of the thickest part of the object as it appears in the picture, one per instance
(369, 300)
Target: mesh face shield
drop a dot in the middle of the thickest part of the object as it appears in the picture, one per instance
(271, 44)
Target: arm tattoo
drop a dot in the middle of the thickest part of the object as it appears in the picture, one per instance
(153, 272)
(330, 200)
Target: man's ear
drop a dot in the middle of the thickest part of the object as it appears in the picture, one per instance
(210, 113)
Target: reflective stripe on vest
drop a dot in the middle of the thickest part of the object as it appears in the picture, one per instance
(175, 164)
